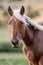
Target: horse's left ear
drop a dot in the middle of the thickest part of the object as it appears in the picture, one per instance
(10, 11)
(22, 10)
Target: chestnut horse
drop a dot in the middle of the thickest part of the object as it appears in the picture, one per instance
(32, 38)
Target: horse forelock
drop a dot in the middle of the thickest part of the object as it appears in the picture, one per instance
(20, 17)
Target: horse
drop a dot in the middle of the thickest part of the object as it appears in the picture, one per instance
(31, 36)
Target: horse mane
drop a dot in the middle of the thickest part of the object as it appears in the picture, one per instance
(31, 26)
(27, 20)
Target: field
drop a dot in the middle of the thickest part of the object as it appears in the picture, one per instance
(12, 59)
(4, 34)
(9, 57)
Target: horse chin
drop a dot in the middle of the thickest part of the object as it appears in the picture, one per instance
(15, 46)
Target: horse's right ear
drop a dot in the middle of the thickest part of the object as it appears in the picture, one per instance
(10, 11)
(22, 10)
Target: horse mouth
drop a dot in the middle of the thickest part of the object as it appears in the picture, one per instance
(15, 46)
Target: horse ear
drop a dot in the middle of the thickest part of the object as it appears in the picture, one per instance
(22, 10)
(10, 11)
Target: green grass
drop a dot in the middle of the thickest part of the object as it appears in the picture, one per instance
(12, 59)
(4, 34)
(31, 13)
(7, 47)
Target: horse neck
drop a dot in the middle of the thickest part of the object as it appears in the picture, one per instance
(28, 37)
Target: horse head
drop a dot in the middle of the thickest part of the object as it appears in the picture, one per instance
(17, 27)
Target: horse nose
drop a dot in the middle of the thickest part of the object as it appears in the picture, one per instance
(15, 43)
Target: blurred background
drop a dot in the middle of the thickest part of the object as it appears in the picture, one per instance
(9, 55)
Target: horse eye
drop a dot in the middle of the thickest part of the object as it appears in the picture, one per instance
(21, 22)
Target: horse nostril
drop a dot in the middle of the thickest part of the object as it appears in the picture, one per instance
(14, 43)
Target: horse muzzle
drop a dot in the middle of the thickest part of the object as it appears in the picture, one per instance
(15, 43)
